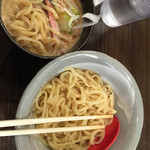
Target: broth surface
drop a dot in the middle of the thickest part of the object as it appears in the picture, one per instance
(40, 28)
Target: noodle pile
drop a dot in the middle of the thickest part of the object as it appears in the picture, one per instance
(28, 23)
(75, 92)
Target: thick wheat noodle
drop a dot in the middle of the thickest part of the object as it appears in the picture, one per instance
(28, 21)
(75, 92)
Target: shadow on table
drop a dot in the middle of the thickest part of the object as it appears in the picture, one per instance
(19, 68)
(16, 71)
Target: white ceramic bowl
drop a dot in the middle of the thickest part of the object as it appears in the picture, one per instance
(128, 101)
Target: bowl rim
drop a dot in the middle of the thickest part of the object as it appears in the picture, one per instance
(89, 54)
(40, 56)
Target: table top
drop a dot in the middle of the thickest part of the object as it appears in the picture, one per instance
(130, 44)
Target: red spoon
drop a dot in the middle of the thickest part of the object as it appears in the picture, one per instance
(111, 133)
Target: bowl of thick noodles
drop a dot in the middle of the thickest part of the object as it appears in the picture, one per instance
(46, 28)
(82, 83)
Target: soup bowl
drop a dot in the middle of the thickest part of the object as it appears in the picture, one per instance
(87, 6)
(128, 101)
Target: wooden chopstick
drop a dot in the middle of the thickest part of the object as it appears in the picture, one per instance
(20, 122)
(46, 130)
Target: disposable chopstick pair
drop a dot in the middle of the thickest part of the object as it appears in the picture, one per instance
(24, 122)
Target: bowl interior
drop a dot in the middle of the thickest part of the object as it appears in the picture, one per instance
(87, 6)
(128, 101)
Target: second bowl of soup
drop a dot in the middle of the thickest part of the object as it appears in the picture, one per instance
(45, 28)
